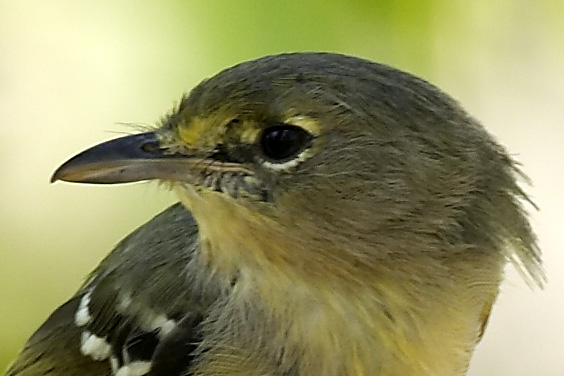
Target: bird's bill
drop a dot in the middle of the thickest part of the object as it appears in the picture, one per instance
(126, 159)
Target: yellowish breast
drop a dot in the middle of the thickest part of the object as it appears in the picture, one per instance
(282, 317)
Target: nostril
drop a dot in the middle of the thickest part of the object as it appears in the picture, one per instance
(150, 147)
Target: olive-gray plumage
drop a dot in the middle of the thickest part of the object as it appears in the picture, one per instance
(346, 219)
(164, 245)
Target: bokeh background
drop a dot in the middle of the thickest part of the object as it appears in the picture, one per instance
(75, 73)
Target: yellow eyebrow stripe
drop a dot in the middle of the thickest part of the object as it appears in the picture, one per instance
(191, 133)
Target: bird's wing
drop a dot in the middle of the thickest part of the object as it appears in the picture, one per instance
(128, 320)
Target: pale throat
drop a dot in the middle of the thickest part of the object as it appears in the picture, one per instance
(374, 327)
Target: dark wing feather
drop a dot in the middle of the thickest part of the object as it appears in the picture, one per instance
(174, 355)
(140, 309)
(55, 348)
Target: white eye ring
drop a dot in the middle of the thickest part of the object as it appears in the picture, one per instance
(288, 165)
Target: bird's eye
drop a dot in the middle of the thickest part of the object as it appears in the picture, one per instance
(282, 142)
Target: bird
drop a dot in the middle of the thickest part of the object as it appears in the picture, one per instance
(336, 217)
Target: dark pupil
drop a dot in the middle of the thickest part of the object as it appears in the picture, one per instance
(282, 142)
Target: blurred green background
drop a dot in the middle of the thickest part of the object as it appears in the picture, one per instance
(76, 73)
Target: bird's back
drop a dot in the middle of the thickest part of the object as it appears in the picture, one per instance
(112, 324)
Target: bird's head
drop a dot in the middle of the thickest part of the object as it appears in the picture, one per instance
(335, 157)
